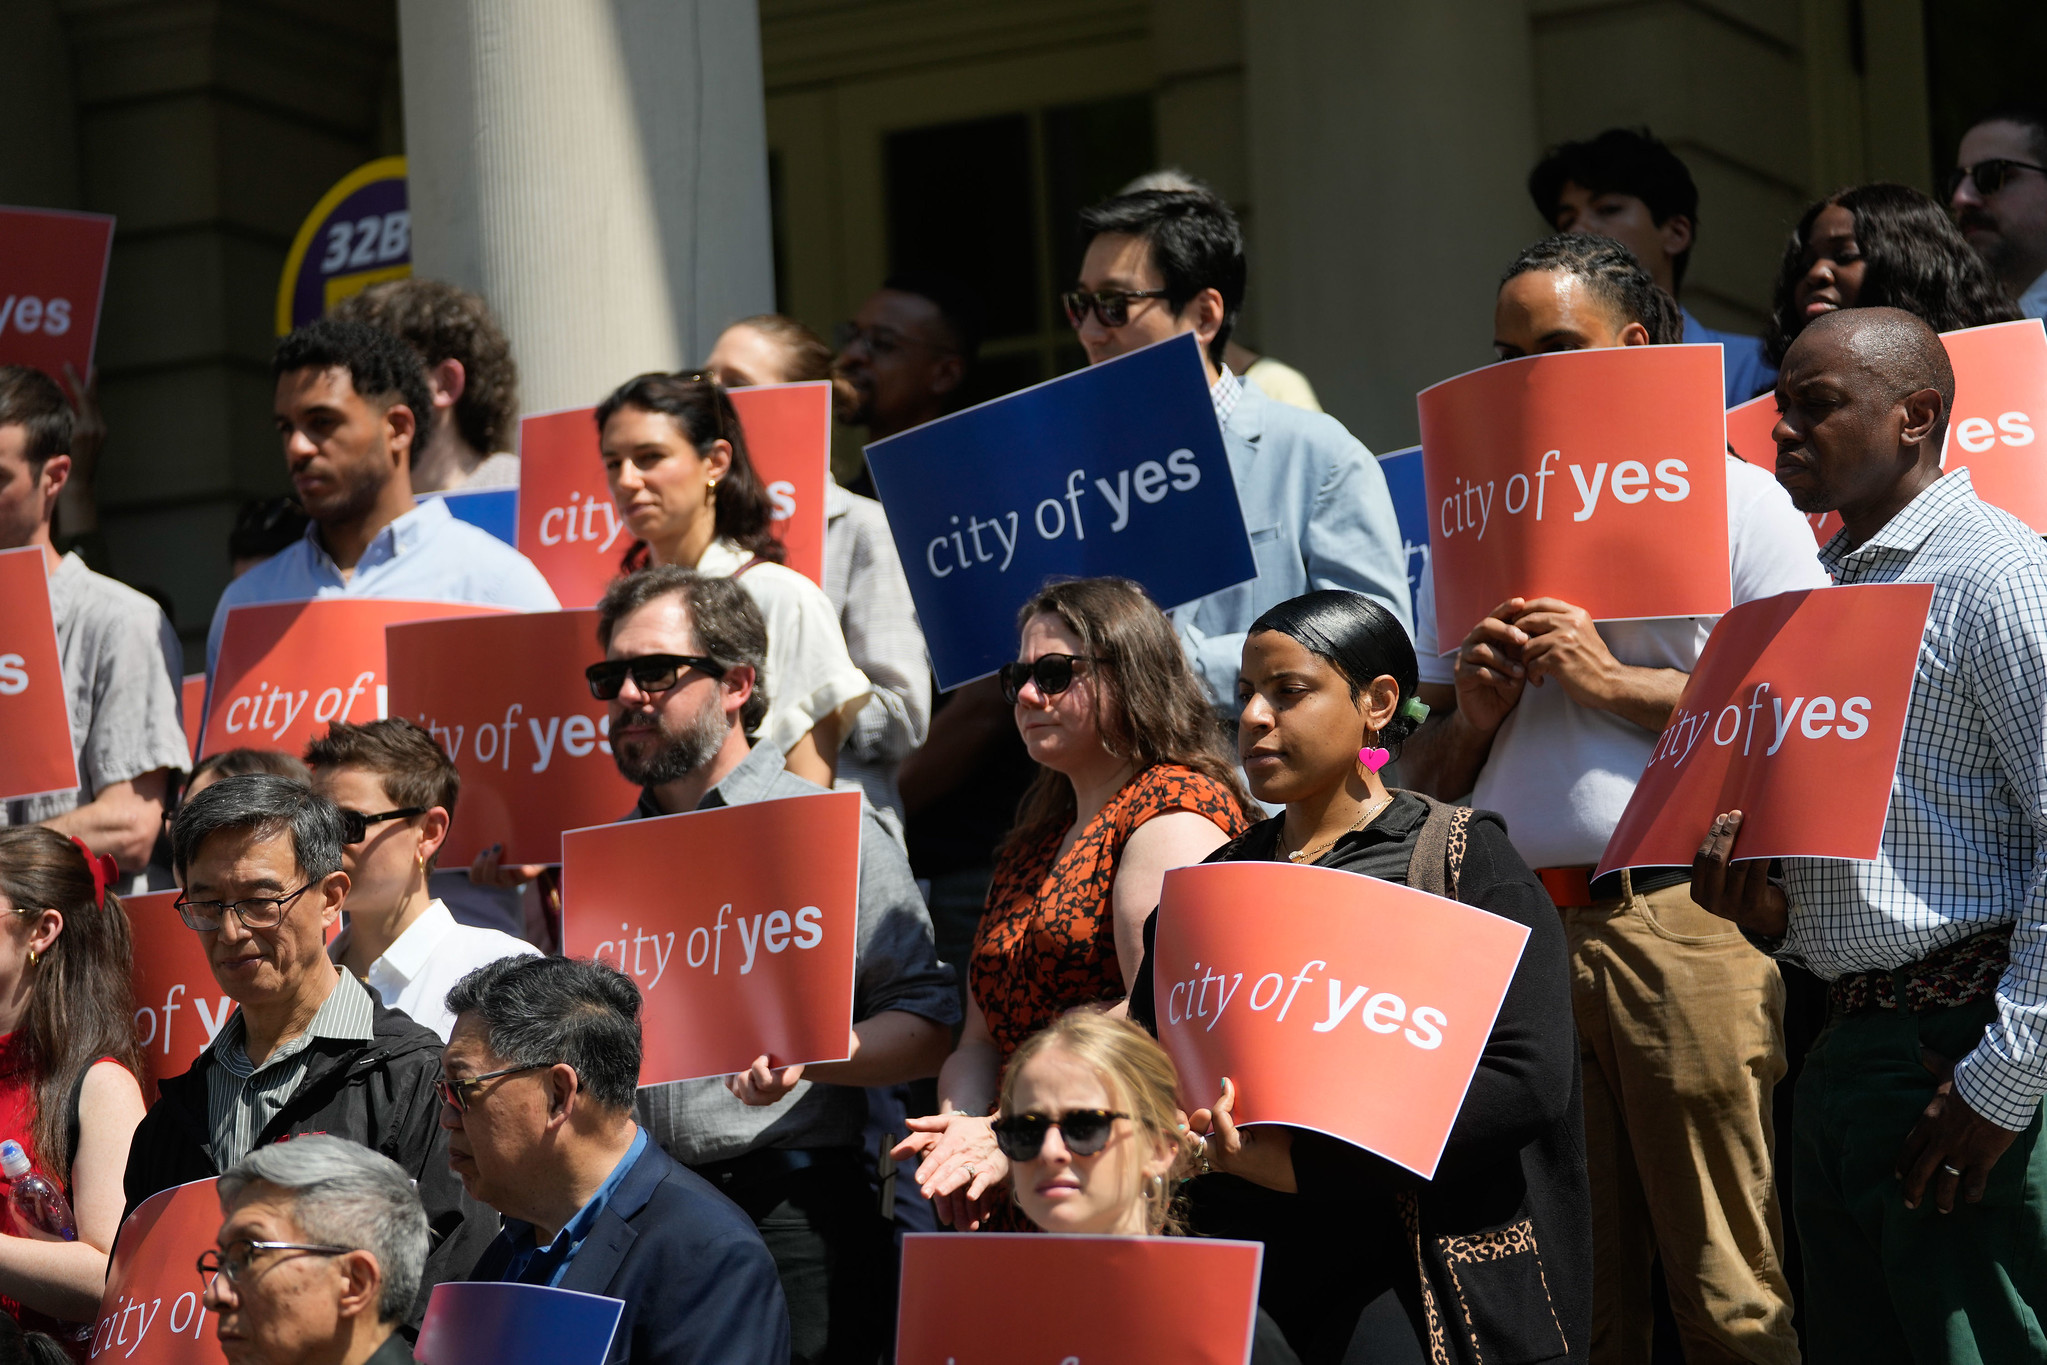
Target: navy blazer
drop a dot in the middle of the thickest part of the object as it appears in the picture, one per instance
(698, 1284)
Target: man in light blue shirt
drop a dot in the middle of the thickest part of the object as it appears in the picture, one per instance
(346, 405)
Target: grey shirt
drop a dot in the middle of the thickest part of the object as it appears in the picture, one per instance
(864, 579)
(895, 967)
(121, 664)
(242, 1098)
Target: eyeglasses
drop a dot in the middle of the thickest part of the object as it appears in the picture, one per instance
(355, 826)
(459, 1093)
(1112, 306)
(651, 673)
(235, 1261)
(255, 912)
(880, 341)
(1989, 175)
(1053, 673)
(1084, 1131)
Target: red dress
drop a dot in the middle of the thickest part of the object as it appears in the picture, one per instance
(1047, 942)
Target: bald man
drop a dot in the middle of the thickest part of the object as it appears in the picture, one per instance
(1918, 1166)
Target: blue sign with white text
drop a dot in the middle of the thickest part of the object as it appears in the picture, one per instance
(1403, 471)
(495, 510)
(496, 1323)
(1118, 469)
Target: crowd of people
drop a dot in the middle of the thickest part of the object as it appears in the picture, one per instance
(465, 1102)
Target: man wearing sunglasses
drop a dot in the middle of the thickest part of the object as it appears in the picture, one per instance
(683, 674)
(1162, 262)
(1998, 194)
(308, 1049)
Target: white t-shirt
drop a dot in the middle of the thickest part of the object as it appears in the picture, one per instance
(810, 674)
(1560, 773)
(417, 971)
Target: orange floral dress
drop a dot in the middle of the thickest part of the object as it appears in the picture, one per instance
(1047, 942)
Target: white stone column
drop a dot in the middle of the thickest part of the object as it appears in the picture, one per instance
(596, 169)
(1390, 148)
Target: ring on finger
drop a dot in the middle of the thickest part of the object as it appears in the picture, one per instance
(970, 1168)
(1950, 1170)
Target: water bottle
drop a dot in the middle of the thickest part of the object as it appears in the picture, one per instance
(39, 1208)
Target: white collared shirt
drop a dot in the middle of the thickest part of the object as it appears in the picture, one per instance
(416, 973)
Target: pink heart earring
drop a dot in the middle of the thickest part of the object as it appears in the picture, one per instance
(1371, 759)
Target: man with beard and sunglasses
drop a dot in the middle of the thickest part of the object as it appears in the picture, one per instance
(1998, 194)
(683, 675)
(349, 405)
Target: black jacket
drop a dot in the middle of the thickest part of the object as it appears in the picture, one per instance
(379, 1093)
(1492, 1259)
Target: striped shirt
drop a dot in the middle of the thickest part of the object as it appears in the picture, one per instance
(242, 1098)
(1961, 851)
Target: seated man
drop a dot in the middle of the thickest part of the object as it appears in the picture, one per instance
(784, 1144)
(401, 941)
(539, 1091)
(308, 1049)
(319, 1256)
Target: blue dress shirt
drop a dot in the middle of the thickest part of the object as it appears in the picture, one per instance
(555, 1258)
(1745, 370)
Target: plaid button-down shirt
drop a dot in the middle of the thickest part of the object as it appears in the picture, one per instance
(1224, 393)
(1963, 837)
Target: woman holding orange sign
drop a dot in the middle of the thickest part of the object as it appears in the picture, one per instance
(1491, 1259)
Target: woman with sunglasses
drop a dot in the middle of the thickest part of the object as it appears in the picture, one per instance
(1091, 1130)
(1881, 246)
(68, 1066)
(1132, 780)
(1503, 1232)
(676, 460)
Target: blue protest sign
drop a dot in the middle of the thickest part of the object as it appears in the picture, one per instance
(485, 1323)
(1403, 471)
(495, 510)
(359, 234)
(1116, 469)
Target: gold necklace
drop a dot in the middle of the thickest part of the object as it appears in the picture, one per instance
(1371, 813)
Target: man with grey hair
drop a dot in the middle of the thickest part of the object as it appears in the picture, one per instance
(308, 1048)
(682, 672)
(318, 1258)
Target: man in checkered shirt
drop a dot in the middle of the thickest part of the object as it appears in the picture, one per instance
(1917, 1155)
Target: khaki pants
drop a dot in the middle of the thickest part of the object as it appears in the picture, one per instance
(1681, 1023)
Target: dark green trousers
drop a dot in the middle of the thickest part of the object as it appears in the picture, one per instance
(1887, 1283)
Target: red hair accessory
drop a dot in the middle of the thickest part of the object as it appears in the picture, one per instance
(103, 868)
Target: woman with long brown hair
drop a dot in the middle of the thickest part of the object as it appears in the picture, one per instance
(1133, 780)
(68, 1063)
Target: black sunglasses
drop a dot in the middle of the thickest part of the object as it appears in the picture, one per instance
(651, 673)
(1053, 673)
(1112, 306)
(1989, 175)
(355, 826)
(1084, 1131)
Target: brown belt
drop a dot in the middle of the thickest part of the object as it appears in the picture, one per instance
(1958, 974)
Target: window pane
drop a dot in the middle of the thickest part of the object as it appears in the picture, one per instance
(1091, 151)
(959, 202)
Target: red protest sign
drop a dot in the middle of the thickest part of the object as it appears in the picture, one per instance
(152, 1312)
(1633, 439)
(1999, 415)
(36, 753)
(179, 1006)
(1336, 974)
(1793, 717)
(529, 740)
(780, 879)
(192, 709)
(1748, 435)
(287, 669)
(1189, 1300)
(570, 528)
(53, 270)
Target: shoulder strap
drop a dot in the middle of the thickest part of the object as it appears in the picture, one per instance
(752, 562)
(1438, 857)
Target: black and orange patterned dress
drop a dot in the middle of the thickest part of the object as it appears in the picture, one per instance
(1047, 942)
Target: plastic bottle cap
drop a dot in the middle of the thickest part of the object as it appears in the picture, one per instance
(13, 1160)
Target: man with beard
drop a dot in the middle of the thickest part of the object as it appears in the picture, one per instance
(348, 405)
(904, 358)
(682, 673)
(1998, 194)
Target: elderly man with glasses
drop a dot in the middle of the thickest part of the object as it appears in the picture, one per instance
(320, 1253)
(541, 1074)
(308, 1048)
(1998, 194)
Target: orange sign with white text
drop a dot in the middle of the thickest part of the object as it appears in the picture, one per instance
(36, 753)
(192, 709)
(287, 669)
(1634, 440)
(658, 898)
(570, 528)
(1793, 716)
(179, 1006)
(152, 1312)
(530, 741)
(2000, 414)
(1748, 435)
(53, 270)
(1188, 1300)
(1281, 976)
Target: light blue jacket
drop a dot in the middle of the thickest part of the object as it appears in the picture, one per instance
(1319, 515)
